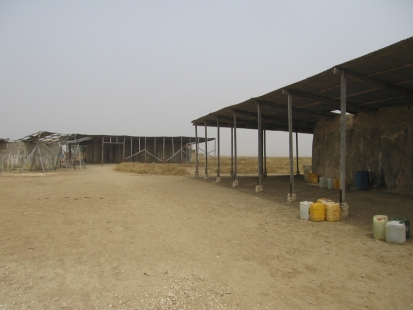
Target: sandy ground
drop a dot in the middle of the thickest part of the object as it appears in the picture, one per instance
(98, 239)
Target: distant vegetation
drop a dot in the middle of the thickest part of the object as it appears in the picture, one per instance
(158, 169)
(245, 165)
(249, 165)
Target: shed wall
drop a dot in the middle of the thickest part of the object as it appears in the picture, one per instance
(381, 141)
(13, 155)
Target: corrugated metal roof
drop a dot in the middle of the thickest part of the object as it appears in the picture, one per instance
(383, 78)
(53, 137)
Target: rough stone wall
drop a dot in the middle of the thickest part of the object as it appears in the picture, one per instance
(13, 155)
(381, 141)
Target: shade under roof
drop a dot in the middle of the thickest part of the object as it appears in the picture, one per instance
(383, 78)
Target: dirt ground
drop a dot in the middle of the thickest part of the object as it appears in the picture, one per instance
(99, 239)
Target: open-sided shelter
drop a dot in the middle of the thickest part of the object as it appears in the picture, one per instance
(373, 131)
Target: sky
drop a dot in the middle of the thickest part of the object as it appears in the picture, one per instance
(148, 68)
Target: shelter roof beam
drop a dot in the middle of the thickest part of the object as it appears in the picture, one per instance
(329, 102)
(375, 82)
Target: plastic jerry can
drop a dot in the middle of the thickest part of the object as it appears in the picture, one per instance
(330, 184)
(317, 212)
(362, 180)
(323, 182)
(333, 212)
(324, 200)
(305, 210)
(406, 223)
(314, 178)
(379, 226)
(395, 232)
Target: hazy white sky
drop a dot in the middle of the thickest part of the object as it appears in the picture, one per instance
(151, 67)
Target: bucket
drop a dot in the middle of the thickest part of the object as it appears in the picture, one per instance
(395, 232)
(362, 180)
(305, 210)
(379, 227)
(317, 212)
(406, 223)
(323, 182)
(314, 178)
(330, 184)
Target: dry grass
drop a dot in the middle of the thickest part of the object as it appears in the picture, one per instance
(249, 165)
(158, 169)
(245, 165)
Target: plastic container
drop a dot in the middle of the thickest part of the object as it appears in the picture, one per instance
(395, 232)
(336, 184)
(362, 180)
(307, 168)
(305, 210)
(306, 176)
(330, 184)
(406, 223)
(323, 182)
(317, 212)
(324, 200)
(314, 178)
(379, 226)
(333, 212)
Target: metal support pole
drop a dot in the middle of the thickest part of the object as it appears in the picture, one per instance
(163, 150)
(259, 146)
(290, 134)
(232, 152)
(131, 150)
(206, 151)
(145, 150)
(343, 137)
(196, 151)
(265, 154)
(154, 147)
(296, 152)
(124, 147)
(103, 142)
(219, 153)
(181, 150)
(235, 182)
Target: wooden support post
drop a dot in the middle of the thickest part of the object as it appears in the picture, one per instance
(145, 150)
(131, 150)
(206, 152)
(154, 147)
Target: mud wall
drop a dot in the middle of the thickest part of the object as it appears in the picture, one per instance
(13, 155)
(381, 142)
